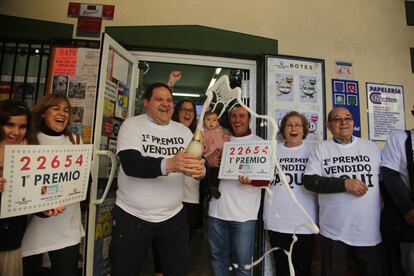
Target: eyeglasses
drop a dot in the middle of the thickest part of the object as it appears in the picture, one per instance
(341, 120)
(187, 110)
(294, 126)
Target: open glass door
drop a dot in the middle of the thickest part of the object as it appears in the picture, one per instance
(117, 85)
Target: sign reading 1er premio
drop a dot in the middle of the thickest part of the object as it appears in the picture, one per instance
(252, 159)
(39, 178)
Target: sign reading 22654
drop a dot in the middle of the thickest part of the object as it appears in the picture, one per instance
(39, 178)
(253, 159)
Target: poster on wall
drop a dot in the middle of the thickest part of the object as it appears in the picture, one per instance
(345, 93)
(75, 73)
(344, 70)
(296, 83)
(103, 235)
(385, 109)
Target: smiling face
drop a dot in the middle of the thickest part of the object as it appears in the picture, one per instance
(160, 105)
(15, 129)
(56, 117)
(293, 131)
(341, 124)
(186, 114)
(211, 121)
(239, 121)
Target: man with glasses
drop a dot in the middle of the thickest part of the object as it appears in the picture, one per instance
(344, 171)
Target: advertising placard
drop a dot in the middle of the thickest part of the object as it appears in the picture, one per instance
(296, 83)
(385, 110)
(40, 178)
(345, 93)
(251, 158)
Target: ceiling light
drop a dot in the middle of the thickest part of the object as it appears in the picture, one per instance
(186, 95)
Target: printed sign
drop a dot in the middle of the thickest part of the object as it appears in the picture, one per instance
(385, 110)
(345, 93)
(344, 70)
(44, 177)
(253, 159)
(295, 83)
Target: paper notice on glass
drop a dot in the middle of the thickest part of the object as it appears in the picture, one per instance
(251, 158)
(39, 178)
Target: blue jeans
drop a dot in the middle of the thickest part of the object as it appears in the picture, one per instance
(231, 245)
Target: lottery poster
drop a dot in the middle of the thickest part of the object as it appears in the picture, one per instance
(44, 177)
(253, 159)
(295, 83)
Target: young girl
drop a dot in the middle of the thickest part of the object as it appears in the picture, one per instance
(60, 235)
(213, 140)
(14, 130)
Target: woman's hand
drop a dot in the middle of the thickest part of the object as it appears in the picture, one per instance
(214, 159)
(173, 78)
(2, 181)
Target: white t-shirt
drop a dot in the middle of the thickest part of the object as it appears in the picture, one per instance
(57, 232)
(342, 216)
(191, 190)
(280, 213)
(394, 156)
(151, 199)
(237, 202)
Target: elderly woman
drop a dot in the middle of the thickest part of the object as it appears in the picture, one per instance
(281, 216)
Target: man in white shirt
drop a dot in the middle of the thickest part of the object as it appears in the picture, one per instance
(232, 216)
(345, 172)
(397, 223)
(149, 207)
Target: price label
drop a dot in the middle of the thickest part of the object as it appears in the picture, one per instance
(253, 159)
(39, 177)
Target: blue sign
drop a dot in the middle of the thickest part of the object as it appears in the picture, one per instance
(345, 93)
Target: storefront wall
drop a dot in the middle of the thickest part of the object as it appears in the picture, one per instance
(372, 34)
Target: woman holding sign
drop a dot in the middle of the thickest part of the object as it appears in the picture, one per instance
(14, 130)
(281, 216)
(60, 235)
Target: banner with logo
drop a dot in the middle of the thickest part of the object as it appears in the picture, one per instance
(345, 93)
(40, 178)
(385, 109)
(296, 83)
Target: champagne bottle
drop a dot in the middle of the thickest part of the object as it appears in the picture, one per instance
(195, 147)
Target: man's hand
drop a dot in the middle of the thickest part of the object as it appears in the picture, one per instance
(55, 211)
(409, 217)
(214, 159)
(355, 187)
(186, 163)
(196, 169)
(2, 181)
(245, 180)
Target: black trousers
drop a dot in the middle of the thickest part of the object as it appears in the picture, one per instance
(132, 238)
(64, 262)
(301, 254)
(192, 211)
(336, 256)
